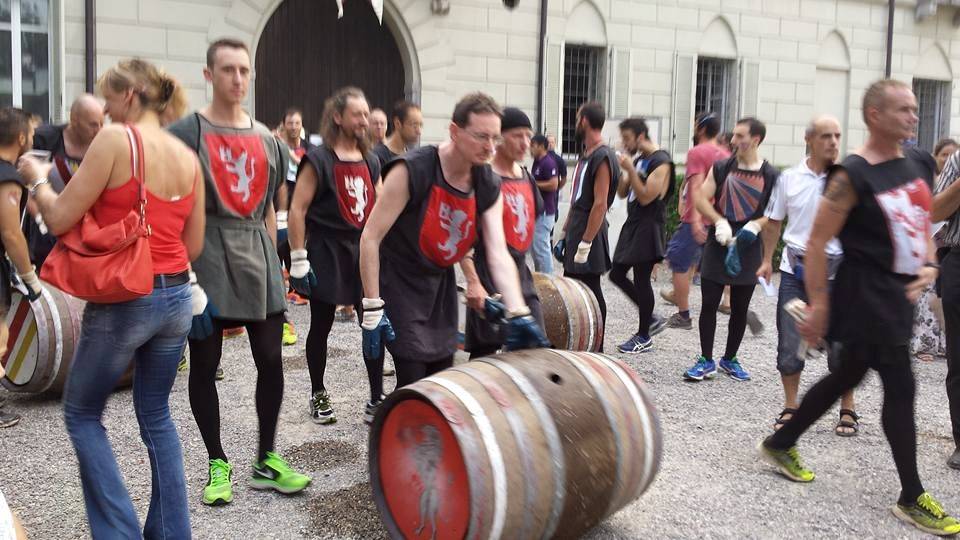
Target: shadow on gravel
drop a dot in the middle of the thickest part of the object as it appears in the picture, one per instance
(320, 455)
(300, 362)
(347, 513)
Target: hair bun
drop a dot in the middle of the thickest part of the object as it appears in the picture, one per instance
(167, 88)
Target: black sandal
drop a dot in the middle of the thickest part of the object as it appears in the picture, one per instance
(779, 422)
(841, 424)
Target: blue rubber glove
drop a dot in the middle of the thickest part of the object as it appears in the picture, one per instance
(377, 329)
(523, 332)
(302, 277)
(748, 234)
(494, 311)
(731, 264)
(560, 249)
(201, 327)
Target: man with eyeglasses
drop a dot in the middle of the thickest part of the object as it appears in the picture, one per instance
(407, 125)
(585, 248)
(433, 200)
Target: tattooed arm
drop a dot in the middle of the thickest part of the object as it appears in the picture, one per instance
(835, 205)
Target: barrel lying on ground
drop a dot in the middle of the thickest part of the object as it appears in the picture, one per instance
(528, 444)
(43, 339)
(571, 314)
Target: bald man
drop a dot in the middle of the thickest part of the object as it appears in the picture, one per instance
(67, 144)
(795, 199)
(378, 126)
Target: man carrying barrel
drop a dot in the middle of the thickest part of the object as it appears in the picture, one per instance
(433, 201)
(16, 137)
(585, 248)
(521, 204)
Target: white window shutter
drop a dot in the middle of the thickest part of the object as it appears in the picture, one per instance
(553, 90)
(749, 87)
(684, 77)
(621, 85)
(946, 91)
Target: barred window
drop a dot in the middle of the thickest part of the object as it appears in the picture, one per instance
(583, 81)
(933, 102)
(716, 89)
(25, 55)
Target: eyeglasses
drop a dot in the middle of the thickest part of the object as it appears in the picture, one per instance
(484, 138)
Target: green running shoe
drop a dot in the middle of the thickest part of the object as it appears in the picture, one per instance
(274, 473)
(219, 488)
(928, 516)
(787, 462)
(219, 375)
(182, 364)
(289, 335)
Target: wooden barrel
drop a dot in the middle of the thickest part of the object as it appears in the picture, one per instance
(43, 338)
(571, 314)
(528, 444)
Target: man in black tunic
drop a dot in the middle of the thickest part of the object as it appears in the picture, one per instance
(433, 200)
(585, 248)
(877, 202)
(407, 123)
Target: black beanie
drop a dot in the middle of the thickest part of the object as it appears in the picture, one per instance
(514, 118)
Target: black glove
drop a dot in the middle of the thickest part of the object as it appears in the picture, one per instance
(560, 250)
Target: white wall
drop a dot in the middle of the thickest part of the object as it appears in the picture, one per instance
(480, 45)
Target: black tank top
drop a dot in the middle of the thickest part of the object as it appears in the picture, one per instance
(884, 246)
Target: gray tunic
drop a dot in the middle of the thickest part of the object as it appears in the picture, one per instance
(239, 268)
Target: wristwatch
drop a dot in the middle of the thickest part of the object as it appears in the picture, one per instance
(36, 185)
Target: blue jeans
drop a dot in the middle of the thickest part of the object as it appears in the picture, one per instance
(150, 331)
(788, 336)
(543, 243)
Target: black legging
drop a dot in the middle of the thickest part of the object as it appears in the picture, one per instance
(205, 356)
(486, 350)
(411, 371)
(640, 290)
(321, 322)
(283, 251)
(740, 296)
(893, 366)
(592, 281)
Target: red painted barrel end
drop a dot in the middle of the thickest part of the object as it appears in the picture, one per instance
(419, 475)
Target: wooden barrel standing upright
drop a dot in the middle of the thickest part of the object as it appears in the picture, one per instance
(571, 313)
(43, 339)
(529, 444)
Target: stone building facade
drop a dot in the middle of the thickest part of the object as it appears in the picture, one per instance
(781, 60)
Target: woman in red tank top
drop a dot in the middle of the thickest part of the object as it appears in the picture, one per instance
(151, 329)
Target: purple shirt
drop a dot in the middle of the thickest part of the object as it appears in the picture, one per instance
(544, 169)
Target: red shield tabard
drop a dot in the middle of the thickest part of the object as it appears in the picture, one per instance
(355, 193)
(519, 214)
(449, 227)
(240, 170)
(907, 209)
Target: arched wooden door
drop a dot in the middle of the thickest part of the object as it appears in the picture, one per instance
(305, 54)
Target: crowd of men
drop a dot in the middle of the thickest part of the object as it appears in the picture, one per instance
(383, 222)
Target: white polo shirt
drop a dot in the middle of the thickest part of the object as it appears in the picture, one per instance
(795, 198)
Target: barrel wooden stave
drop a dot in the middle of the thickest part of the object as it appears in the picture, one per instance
(571, 313)
(58, 318)
(594, 452)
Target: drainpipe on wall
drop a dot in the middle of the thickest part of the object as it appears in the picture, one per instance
(890, 9)
(540, 63)
(90, 43)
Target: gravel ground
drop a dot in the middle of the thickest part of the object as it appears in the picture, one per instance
(711, 483)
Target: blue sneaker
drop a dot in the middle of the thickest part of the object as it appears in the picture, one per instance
(734, 369)
(703, 369)
(636, 344)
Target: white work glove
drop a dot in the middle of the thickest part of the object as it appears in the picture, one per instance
(32, 283)
(372, 313)
(38, 219)
(583, 252)
(281, 220)
(198, 298)
(722, 232)
(753, 227)
(299, 265)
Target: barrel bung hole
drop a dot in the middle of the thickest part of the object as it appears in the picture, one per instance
(556, 379)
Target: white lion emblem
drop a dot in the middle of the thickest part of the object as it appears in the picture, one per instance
(357, 189)
(456, 224)
(239, 168)
(518, 205)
